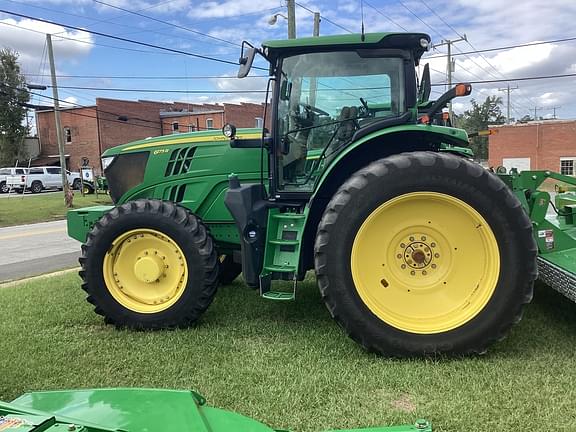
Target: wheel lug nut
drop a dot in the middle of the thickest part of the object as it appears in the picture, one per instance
(424, 272)
(433, 265)
(402, 245)
(411, 238)
(433, 244)
(436, 255)
(412, 272)
(399, 256)
(423, 238)
(403, 266)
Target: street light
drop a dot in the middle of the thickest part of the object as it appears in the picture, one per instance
(274, 18)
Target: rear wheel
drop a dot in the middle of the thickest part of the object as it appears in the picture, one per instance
(425, 253)
(149, 264)
(77, 184)
(36, 186)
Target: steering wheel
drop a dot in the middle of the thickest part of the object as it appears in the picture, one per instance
(314, 109)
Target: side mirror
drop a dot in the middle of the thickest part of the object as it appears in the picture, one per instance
(246, 62)
(456, 91)
(425, 85)
(285, 90)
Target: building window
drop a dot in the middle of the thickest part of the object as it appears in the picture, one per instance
(567, 165)
(209, 123)
(67, 135)
(191, 128)
(175, 127)
(259, 122)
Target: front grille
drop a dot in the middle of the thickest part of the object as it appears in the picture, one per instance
(125, 172)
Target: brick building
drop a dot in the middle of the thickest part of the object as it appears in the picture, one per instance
(88, 131)
(203, 117)
(537, 145)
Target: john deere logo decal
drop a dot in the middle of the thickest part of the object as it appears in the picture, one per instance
(7, 423)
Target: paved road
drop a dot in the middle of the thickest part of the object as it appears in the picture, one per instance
(30, 250)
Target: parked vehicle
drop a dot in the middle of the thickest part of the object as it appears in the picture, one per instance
(5, 173)
(40, 178)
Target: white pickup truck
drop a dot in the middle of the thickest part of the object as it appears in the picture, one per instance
(39, 178)
(5, 173)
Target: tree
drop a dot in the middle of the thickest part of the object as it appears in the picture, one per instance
(13, 97)
(477, 118)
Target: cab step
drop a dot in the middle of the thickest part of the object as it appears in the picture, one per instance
(282, 253)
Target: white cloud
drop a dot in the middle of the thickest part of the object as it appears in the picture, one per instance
(28, 38)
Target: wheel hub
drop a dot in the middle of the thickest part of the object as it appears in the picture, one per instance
(148, 268)
(418, 254)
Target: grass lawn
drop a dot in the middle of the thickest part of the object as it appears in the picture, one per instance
(289, 364)
(18, 210)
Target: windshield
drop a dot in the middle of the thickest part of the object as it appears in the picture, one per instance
(324, 99)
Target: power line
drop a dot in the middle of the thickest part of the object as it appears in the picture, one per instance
(385, 16)
(96, 22)
(518, 79)
(147, 77)
(135, 90)
(323, 18)
(92, 43)
(167, 23)
(204, 57)
(508, 47)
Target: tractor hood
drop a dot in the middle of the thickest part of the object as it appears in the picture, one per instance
(197, 138)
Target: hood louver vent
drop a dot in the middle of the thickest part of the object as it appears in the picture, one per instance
(180, 161)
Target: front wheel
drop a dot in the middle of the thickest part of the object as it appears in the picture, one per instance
(4, 187)
(149, 264)
(425, 253)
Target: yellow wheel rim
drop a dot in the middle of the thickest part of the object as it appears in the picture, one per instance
(425, 262)
(145, 271)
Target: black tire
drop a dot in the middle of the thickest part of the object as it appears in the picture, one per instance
(87, 189)
(185, 229)
(229, 270)
(76, 184)
(401, 174)
(36, 187)
(4, 187)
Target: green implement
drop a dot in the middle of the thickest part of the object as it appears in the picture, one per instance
(135, 410)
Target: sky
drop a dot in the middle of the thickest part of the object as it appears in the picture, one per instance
(216, 28)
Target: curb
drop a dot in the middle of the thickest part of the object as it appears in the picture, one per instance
(8, 284)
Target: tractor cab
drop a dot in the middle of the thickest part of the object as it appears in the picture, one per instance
(331, 91)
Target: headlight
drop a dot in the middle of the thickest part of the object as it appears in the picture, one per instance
(107, 161)
(229, 130)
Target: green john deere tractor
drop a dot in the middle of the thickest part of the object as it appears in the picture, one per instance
(417, 250)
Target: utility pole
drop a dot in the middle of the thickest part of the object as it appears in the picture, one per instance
(450, 65)
(316, 24)
(291, 4)
(536, 108)
(314, 80)
(507, 90)
(554, 109)
(59, 138)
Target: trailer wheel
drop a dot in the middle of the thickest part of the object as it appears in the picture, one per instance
(229, 270)
(425, 253)
(149, 264)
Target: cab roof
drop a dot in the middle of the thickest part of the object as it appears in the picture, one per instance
(405, 41)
